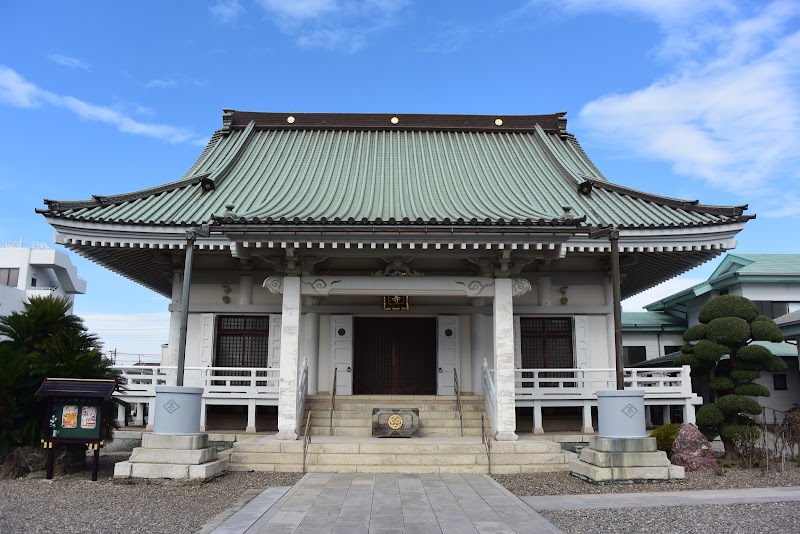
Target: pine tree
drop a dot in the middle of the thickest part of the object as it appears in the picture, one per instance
(728, 327)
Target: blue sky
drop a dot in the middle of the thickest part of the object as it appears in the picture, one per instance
(676, 97)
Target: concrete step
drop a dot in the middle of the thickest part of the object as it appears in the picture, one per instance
(373, 455)
(449, 422)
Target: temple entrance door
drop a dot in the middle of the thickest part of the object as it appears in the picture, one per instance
(394, 356)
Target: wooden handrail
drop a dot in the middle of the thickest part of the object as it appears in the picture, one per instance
(306, 440)
(459, 407)
(486, 439)
(333, 400)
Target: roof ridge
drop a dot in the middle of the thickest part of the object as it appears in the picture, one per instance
(688, 205)
(237, 120)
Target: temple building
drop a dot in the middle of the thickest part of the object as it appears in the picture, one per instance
(404, 255)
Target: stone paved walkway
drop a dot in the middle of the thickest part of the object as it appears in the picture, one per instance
(387, 504)
(665, 498)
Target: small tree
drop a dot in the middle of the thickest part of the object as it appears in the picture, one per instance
(43, 341)
(728, 326)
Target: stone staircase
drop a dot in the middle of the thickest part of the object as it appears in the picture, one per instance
(353, 414)
(439, 449)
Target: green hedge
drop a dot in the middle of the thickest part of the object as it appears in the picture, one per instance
(665, 436)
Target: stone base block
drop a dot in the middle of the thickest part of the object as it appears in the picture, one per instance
(625, 459)
(595, 473)
(601, 444)
(173, 456)
(208, 470)
(175, 441)
(122, 470)
(506, 436)
(677, 472)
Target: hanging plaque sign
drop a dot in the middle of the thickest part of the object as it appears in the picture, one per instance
(395, 302)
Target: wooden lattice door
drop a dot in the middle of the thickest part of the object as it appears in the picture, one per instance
(394, 356)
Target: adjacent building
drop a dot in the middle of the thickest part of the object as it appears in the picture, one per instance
(397, 253)
(771, 281)
(35, 271)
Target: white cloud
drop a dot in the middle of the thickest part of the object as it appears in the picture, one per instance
(637, 303)
(18, 92)
(67, 61)
(226, 11)
(333, 24)
(728, 110)
(161, 84)
(300, 9)
(130, 335)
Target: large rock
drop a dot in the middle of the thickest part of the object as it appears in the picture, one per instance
(692, 450)
(22, 461)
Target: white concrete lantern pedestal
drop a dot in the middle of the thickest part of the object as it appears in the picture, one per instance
(176, 449)
(620, 414)
(177, 410)
(622, 452)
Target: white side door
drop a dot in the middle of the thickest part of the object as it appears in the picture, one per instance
(342, 353)
(447, 353)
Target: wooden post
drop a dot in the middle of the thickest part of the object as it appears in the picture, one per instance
(50, 461)
(95, 462)
(616, 280)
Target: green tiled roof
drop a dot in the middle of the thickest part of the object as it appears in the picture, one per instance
(431, 169)
(632, 320)
(758, 264)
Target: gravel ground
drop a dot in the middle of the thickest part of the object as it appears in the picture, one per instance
(74, 503)
(566, 484)
(783, 517)
(751, 518)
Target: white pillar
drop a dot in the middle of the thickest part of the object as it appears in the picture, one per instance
(538, 427)
(251, 416)
(290, 349)
(121, 415)
(610, 339)
(245, 289)
(688, 413)
(203, 416)
(174, 321)
(151, 414)
(481, 348)
(504, 360)
(648, 417)
(138, 420)
(588, 428)
(310, 350)
(667, 414)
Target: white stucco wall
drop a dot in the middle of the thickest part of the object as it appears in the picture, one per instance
(781, 400)
(654, 342)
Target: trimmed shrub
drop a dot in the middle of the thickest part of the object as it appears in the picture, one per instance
(722, 383)
(709, 416)
(775, 365)
(742, 375)
(665, 436)
(728, 306)
(766, 331)
(688, 359)
(708, 351)
(762, 318)
(728, 331)
(731, 432)
(734, 404)
(695, 332)
(752, 390)
(754, 353)
(744, 365)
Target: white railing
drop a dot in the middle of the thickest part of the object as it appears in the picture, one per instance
(550, 383)
(490, 394)
(232, 382)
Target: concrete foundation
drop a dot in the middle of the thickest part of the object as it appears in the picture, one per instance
(172, 456)
(624, 460)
